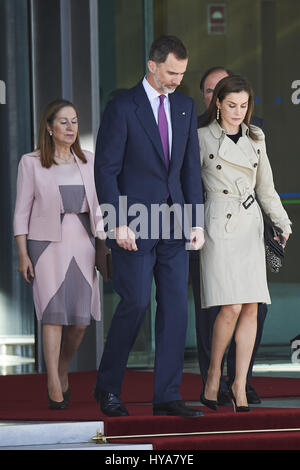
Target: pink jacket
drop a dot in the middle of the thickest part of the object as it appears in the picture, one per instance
(38, 202)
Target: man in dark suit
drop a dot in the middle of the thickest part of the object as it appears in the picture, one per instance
(147, 151)
(205, 318)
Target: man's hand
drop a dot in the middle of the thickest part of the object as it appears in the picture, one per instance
(125, 238)
(196, 239)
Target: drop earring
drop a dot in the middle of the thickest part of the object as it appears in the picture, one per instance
(50, 133)
(218, 114)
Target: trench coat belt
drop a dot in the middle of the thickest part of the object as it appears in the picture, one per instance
(244, 202)
(246, 199)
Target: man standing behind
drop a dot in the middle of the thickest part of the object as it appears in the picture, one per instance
(147, 150)
(205, 318)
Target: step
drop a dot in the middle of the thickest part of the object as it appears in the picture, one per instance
(57, 436)
(14, 434)
(84, 446)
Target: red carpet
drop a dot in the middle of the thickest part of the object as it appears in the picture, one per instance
(137, 386)
(24, 398)
(256, 441)
(214, 430)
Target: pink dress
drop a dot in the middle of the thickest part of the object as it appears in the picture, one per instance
(65, 286)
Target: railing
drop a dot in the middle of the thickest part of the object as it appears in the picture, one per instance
(17, 354)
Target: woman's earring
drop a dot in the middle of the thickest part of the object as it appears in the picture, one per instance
(218, 114)
(50, 133)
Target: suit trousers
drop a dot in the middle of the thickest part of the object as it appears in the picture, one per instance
(205, 319)
(132, 279)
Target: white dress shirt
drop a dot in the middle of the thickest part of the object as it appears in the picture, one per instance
(153, 97)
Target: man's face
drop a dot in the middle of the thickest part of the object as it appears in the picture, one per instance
(210, 84)
(165, 77)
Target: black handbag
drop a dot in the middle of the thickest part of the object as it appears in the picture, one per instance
(274, 250)
(103, 260)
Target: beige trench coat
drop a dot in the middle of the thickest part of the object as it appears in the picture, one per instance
(232, 260)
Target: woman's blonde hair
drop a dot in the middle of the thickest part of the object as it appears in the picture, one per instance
(45, 142)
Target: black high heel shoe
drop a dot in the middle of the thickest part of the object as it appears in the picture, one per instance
(212, 404)
(237, 409)
(67, 396)
(56, 405)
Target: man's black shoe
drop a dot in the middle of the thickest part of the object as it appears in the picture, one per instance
(252, 396)
(175, 408)
(110, 404)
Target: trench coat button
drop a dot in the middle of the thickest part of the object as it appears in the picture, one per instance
(258, 151)
(255, 165)
(218, 167)
(225, 191)
(228, 216)
(211, 156)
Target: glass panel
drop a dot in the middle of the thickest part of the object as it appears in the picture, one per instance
(255, 38)
(121, 46)
(16, 307)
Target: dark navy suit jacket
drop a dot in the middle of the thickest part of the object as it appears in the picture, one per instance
(129, 159)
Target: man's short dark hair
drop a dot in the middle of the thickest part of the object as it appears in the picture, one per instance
(165, 45)
(217, 68)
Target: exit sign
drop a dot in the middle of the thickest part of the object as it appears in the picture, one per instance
(216, 16)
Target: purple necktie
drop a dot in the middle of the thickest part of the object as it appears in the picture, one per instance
(163, 128)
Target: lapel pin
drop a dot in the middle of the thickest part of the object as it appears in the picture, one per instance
(183, 114)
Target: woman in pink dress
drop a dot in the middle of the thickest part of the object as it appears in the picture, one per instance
(55, 222)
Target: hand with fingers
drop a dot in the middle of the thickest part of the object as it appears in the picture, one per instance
(125, 238)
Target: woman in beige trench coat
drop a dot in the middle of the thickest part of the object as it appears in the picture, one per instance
(235, 171)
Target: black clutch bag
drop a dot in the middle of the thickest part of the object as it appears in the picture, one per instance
(103, 261)
(274, 250)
